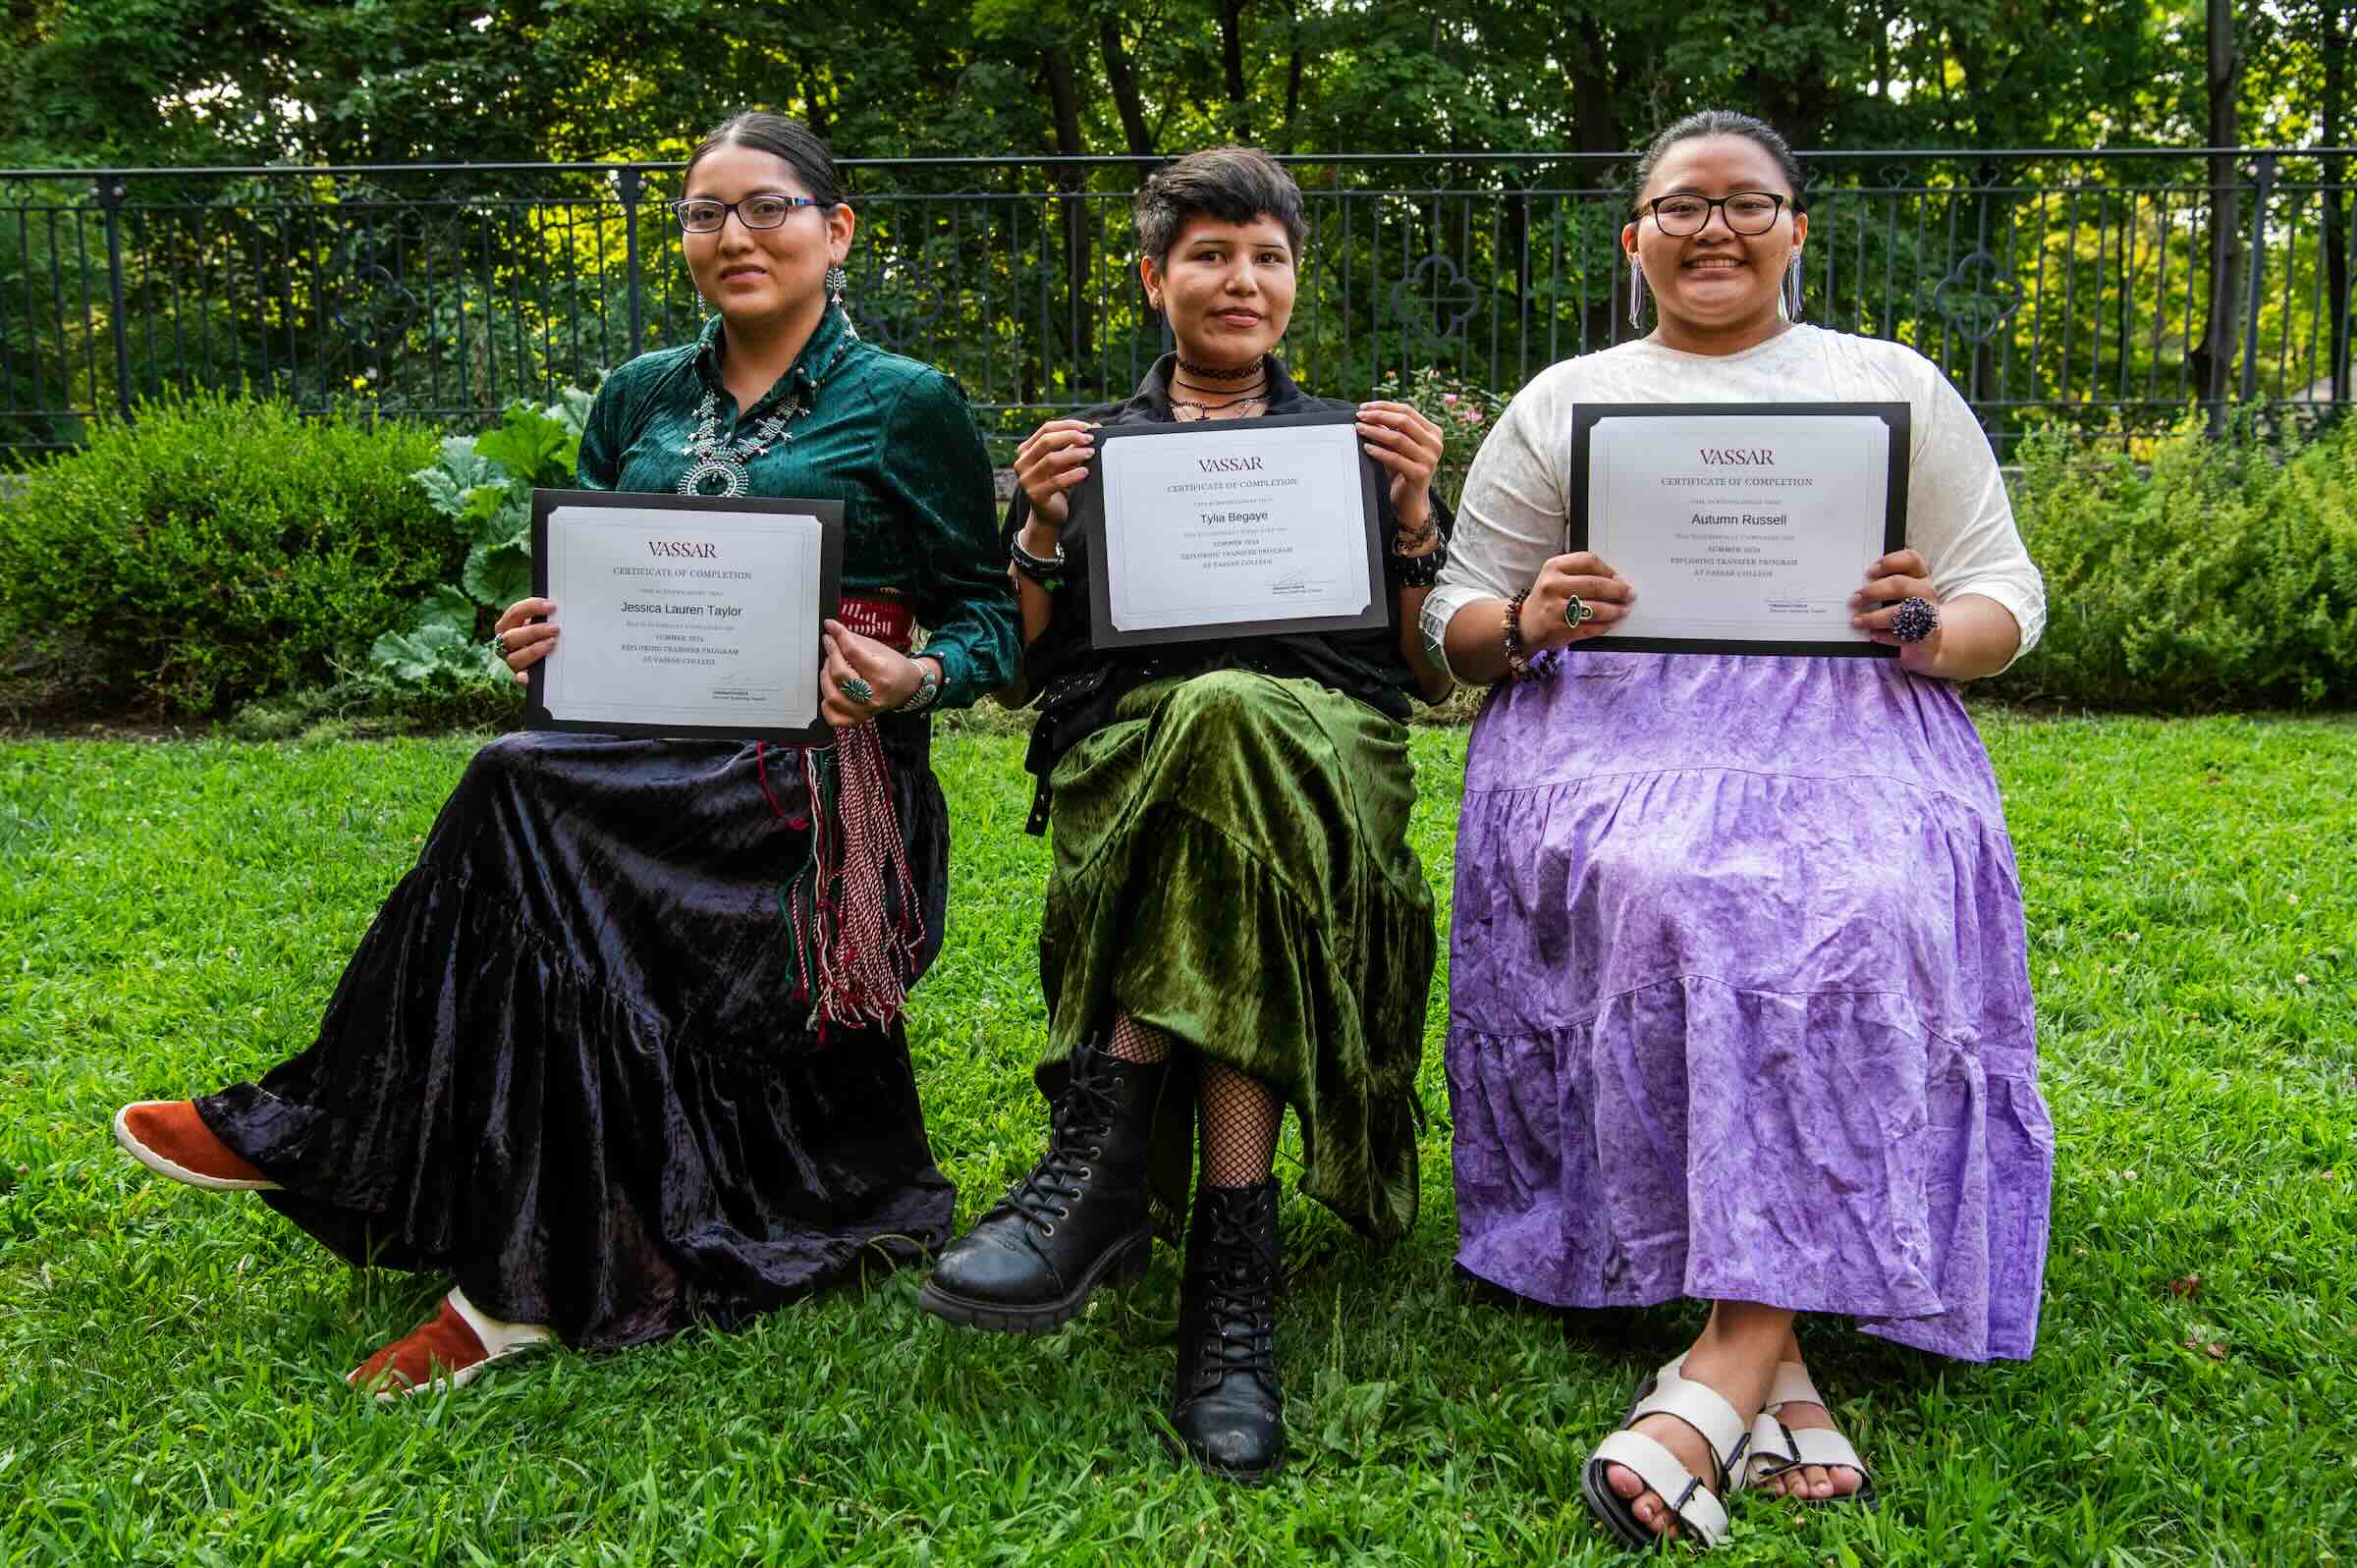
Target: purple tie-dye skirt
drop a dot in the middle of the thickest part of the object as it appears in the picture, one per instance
(1739, 1001)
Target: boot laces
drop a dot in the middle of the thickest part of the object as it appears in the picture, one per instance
(1239, 1305)
(1076, 1133)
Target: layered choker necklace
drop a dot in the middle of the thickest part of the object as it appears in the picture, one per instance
(1247, 402)
(1212, 373)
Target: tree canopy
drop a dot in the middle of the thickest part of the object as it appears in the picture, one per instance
(181, 81)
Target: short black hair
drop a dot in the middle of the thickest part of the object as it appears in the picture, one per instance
(1720, 122)
(781, 137)
(1234, 185)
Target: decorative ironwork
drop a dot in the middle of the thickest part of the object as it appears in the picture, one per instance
(1446, 295)
(1978, 297)
(2067, 286)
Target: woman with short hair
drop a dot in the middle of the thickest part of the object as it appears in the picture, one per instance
(1740, 997)
(624, 1051)
(1235, 921)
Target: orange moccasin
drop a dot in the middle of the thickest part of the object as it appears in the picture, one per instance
(423, 1360)
(169, 1138)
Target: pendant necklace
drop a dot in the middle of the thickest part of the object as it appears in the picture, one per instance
(1194, 410)
(723, 463)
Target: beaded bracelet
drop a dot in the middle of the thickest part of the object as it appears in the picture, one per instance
(1517, 663)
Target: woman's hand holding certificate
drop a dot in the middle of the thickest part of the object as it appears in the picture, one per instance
(1576, 597)
(694, 617)
(1743, 520)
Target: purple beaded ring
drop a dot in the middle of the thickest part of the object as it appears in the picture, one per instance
(1917, 618)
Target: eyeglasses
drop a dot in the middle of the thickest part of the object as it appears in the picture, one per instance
(699, 216)
(1745, 211)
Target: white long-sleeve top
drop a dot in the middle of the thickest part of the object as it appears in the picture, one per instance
(1518, 497)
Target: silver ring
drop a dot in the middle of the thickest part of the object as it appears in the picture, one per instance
(1577, 610)
(499, 643)
(859, 691)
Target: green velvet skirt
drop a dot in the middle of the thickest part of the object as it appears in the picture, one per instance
(1231, 865)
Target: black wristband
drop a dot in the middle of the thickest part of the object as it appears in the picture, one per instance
(1042, 571)
(1416, 571)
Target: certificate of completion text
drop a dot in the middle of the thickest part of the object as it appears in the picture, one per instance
(683, 619)
(1228, 526)
(1742, 527)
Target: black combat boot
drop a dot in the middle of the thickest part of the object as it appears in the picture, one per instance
(1226, 1405)
(1077, 1221)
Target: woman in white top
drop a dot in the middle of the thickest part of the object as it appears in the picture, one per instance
(1740, 1004)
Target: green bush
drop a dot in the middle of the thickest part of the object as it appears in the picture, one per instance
(2223, 577)
(222, 547)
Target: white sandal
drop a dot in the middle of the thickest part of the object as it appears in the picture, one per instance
(1776, 1447)
(1699, 1511)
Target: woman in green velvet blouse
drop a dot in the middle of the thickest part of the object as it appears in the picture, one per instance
(1235, 921)
(623, 1050)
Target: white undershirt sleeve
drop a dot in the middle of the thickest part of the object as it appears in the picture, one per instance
(1510, 517)
(1960, 518)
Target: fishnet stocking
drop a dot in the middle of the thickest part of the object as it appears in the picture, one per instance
(1138, 1041)
(1239, 1119)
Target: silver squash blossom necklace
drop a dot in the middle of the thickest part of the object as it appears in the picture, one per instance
(723, 463)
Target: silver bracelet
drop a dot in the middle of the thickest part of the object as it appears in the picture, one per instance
(928, 691)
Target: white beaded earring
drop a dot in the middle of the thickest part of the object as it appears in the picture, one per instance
(1792, 289)
(1636, 292)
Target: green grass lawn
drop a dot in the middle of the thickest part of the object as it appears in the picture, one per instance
(172, 916)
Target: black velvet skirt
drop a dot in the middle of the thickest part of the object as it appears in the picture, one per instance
(566, 1065)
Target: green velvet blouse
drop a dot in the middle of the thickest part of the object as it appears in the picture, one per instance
(890, 438)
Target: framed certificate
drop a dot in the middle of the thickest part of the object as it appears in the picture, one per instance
(1231, 528)
(1745, 528)
(690, 617)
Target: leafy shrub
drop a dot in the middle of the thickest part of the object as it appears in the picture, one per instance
(1463, 411)
(2225, 577)
(220, 547)
(482, 487)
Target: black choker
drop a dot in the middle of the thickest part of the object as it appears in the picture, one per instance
(1207, 373)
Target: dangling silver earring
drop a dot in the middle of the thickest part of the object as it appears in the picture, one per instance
(1636, 294)
(1792, 290)
(837, 281)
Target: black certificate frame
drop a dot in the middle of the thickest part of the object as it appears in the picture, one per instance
(830, 602)
(1898, 415)
(1088, 521)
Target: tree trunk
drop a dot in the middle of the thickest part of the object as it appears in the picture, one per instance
(1232, 62)
(1064, 97)
(1122, 73)
(1589, 62)
(2332, 42)
(2213, 357)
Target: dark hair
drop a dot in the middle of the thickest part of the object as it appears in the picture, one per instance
(1720, 122)
(1234, 185)
(781, 137)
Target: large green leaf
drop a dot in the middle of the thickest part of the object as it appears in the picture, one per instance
(572, 411)
(498, 575)
(531, 446)
(501, 515)
(448, 607)
(451, 483)
(431, 654)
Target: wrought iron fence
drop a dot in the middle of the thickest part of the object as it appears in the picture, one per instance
(2072, 287)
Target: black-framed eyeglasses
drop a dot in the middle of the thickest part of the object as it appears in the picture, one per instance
(1745, 211)
(700, 215)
